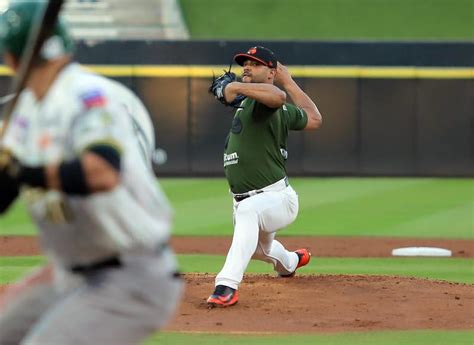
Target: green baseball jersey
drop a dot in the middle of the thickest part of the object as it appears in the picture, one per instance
(255, 150)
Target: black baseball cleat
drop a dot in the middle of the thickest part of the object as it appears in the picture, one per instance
(223, 296)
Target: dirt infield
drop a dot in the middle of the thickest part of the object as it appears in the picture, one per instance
(319, 246)
(317, 303)
(328, 303)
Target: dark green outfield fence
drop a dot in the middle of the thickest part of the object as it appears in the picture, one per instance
(388, 108)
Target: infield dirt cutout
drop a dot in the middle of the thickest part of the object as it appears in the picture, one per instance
(317, 303)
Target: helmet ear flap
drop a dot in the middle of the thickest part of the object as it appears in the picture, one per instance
(53, 48)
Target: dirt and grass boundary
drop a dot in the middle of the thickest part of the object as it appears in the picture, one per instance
(316, 303)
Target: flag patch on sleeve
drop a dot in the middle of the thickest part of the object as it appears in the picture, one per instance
(93, 98)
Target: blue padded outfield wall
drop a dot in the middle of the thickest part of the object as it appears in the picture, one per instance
(391, 109)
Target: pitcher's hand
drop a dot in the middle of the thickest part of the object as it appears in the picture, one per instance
(283, 77)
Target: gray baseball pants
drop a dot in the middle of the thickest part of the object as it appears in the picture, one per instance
(114, 306)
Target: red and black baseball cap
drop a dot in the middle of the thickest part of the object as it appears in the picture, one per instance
(260, 54)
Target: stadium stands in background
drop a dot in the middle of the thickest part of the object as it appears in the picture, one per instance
(123, 19)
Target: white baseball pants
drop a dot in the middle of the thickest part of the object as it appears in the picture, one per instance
(256, 221)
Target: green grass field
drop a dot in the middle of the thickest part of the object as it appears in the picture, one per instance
(372, 338)
(452, 269)
(330, 19)
(413, 207)
(401, 207)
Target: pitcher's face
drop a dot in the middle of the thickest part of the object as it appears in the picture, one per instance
(255, 72)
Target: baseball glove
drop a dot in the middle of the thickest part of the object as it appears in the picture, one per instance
(218, 86)
(9, 165)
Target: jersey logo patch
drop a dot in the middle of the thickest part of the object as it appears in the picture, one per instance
(44, 140)
(231, 158)
(236, 125)
(20, 127)
(94, 98)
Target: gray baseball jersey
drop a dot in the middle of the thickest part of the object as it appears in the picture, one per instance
(81, 109)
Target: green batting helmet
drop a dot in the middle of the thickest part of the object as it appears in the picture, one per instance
(16, 23)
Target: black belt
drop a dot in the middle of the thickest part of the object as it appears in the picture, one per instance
(113, 262)
(243, 196)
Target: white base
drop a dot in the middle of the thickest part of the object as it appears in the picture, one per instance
(421, 251)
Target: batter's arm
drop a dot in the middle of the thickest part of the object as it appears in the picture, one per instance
(299, 97)
(268, 94)
(99, 175)
(96, 170)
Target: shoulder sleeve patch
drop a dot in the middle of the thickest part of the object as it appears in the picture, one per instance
(93, 98)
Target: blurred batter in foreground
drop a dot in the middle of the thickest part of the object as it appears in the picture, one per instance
(72, 151)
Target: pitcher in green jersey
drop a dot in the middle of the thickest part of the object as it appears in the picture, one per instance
(254, 162)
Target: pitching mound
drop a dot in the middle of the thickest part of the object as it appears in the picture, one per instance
(328, 303)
